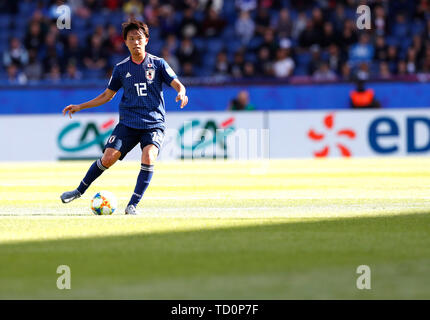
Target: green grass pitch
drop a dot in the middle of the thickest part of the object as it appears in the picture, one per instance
(278, 229)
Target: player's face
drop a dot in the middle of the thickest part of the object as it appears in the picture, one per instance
(136, 42)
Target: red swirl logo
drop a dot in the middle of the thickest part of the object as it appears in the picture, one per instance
(328, 123)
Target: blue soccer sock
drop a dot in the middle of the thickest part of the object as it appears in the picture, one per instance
(142, 183)
(93, 173)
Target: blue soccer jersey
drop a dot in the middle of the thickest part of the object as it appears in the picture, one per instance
(142, 103)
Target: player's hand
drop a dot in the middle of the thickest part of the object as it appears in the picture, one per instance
(184, 99)
(71, 109)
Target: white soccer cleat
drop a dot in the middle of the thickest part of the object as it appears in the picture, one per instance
(69, 196)
(131, 210)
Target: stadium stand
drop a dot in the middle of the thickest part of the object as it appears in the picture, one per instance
(316, 39)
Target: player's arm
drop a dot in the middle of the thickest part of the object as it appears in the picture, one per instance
(180, 89)
(102, 98)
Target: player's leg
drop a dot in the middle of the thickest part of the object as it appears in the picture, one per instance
(122, 140)
(110, 156)
(149, 155)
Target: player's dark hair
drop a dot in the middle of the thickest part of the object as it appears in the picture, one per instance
(134, 24)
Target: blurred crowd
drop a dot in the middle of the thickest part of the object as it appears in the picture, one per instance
(232, 39)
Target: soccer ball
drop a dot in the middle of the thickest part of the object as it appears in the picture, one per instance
(103, 203)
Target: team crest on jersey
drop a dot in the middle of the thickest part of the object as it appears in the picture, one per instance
(150, 74)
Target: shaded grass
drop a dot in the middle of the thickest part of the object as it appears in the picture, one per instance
(267, 260)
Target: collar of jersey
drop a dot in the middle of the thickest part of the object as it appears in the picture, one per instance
(131, 58)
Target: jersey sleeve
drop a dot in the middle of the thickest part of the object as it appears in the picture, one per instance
(167, 72)
(115, 80)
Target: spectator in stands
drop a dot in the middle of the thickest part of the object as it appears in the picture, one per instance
(135, 8)
(10, 7)
(346, 73)
(34, 37)
(417, 45)
(93, 5)
(411, 60)
(213, 24)
(236, 69)
(113, 42)
(427, 35)
(363, 72)
(315, 61)
(402, 69)
(72, 52)
(262, 21)
(113, 5)
(187, 52)
(422, 10)
(269, 43)
(72, 72)
(362, 98)
(79, 9)
(380, 21)
(309, 35)
(283, 25)
(380, 49)
(339, 17)
(167, 21)
(54, 75)
(16, 54)
(171, 43)
(363, 51)
(246, 5)
(348, 36)
(188, 69)
(335, 60)
(151, 13)
(299, 25)
(264, 63)
(241, 102)
(95, 57)
(284, 65)
(392, 58)
(170, 58)
(317, 20)
(245, 27)
(384, 70)
(323, 73)
(401, 27)
(52, 52)
(14, 76)
(216, 5)
(222, 66)
(34, 69)
(248, 70)
(53, 12)
(189, 25)
(328, 36)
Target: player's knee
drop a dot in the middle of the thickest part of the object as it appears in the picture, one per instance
(109, 159)
(149, 155)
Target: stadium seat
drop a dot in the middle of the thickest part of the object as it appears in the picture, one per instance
(99, 19)
(303, 58)
(4, 21)
(417, 27)
(200, 44)
(215, 45)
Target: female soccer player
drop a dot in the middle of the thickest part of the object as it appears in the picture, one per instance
(141, 111)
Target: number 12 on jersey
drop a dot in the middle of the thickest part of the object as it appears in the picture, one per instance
(141, 88)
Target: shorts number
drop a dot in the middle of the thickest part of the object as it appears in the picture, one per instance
(157, 137)
(141, 88)
(111, 139)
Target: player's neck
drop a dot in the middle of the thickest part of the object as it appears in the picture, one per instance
(138, 59)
